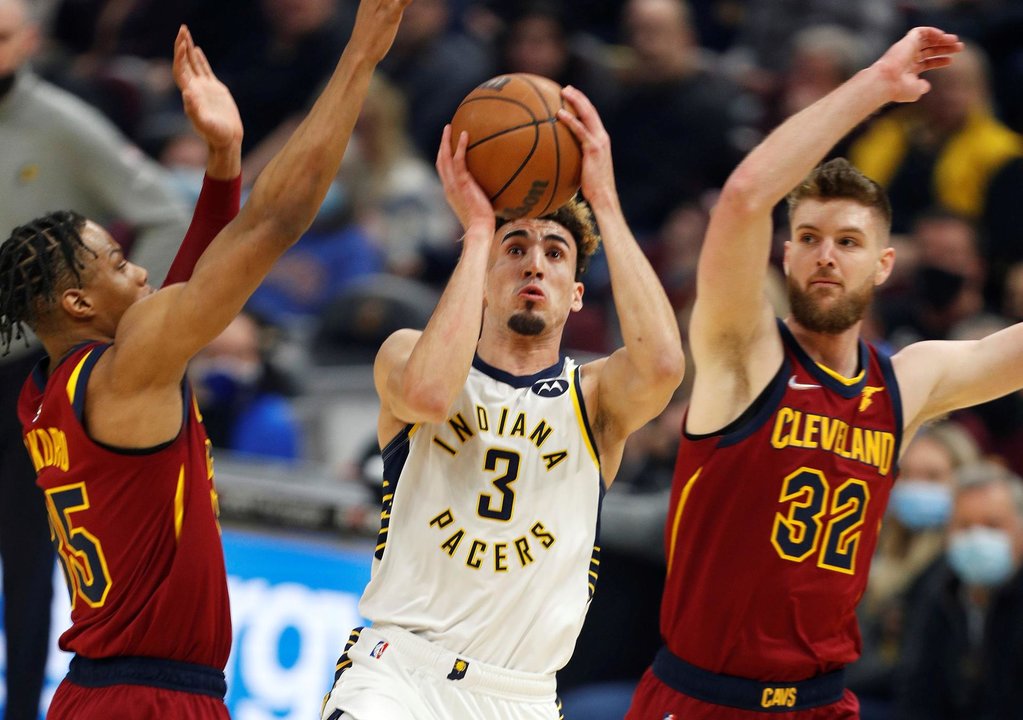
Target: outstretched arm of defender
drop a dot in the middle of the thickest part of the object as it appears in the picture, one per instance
(937, 377)
(635, 383)
(158, 335)
(731, 311)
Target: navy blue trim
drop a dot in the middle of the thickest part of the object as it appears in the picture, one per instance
(754, 416)
(888, 373)
(577, 378)
(745, 694)
(78, 403)
(394, 456)
(519, 381)
(147, 671)
(846, 391)
(39, 373)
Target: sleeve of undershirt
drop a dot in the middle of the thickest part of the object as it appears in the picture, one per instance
(217, 205)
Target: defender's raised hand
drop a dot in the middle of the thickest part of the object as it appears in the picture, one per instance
(922, 49)
(208, 103)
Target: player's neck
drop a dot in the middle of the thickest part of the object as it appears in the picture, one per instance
(519, 354)
(59, 343)
(839, 352)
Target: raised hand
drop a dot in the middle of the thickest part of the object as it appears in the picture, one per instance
(922, 49)
(466, 198)
(598, 182)
(208, 102)
(376, 23)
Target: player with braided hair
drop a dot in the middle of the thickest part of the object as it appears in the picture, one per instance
(113, 430)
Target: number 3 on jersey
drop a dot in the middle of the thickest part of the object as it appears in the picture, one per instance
(799, 532)
(485, 508)
(85, 567)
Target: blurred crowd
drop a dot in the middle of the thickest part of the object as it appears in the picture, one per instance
(685, 90)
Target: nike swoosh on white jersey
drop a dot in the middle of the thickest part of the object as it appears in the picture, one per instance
(801, 386)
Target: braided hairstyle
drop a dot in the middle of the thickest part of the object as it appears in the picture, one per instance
(38, 261)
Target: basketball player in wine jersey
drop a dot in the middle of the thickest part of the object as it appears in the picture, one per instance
(791, 441)
(113, 429)
(497, 450)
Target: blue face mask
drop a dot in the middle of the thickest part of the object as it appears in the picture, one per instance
(919, 504)
(981, 556)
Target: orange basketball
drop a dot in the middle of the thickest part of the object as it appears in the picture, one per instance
(526, 161)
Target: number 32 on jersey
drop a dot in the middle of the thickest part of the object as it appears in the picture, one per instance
(819, 521)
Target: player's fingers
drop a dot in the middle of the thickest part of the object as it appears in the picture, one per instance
(201, 63)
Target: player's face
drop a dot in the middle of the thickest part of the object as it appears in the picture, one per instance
(531, 280)
(111, 283)
(833, 262)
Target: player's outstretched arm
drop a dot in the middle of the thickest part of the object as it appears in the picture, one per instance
(937, 377)
(158, 335)
(419, 375)
(636, 382)
(733, 261)
(209, 106)
(215, 118)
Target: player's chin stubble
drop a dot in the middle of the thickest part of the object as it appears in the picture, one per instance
(845, 313)
(526, 323)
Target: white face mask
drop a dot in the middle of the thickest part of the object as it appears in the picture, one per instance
(981, 556)
(920, 504)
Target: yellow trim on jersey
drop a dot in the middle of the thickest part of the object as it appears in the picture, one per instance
(179, 504)
(842, 378)
(678, 515)
(72, 382)
(413, 429)
(579, 417)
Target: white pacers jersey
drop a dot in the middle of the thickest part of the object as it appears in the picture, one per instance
(488, 540)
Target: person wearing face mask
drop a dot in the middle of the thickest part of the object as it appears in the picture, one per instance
(962, 656)
(243, 397)
(912, 537)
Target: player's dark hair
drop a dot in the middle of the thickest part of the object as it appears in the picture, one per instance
(38, 261)
(838, 180)
(576, 217)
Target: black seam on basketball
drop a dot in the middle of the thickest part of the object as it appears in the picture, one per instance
(534, 124)
(525, 161)
(511, 101)
(552, 118)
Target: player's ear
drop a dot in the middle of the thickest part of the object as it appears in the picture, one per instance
(885, 263)
(577, 297)
(77, 303)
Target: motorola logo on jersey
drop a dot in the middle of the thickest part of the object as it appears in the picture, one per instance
(550, 388)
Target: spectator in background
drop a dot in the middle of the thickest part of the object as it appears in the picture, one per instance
(679, 124)
(821, 58)
(57, 152)
(911, 538)
(275, 72)
(435, 67)
(947, 151)
(947, 281)
(243, 396)
(963, 651)
(538, 39)
(395, 194)
(762, 44)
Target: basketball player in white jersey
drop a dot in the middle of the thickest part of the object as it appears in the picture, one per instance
(497, 451)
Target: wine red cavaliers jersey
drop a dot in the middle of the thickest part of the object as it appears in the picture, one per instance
(773, 522)
(136, 530)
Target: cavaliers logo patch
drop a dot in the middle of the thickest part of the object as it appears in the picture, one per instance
(458, 670)
(550, 388)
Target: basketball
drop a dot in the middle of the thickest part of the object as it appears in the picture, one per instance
(527, 162)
